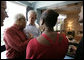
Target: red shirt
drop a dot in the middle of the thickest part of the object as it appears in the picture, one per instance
(56, 50)
(15, 42)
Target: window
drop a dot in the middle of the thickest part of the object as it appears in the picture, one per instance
(12, 9)
(60, 21)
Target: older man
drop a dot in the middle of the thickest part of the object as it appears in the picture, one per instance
(32, 27)
(15, 39)
(3, 12)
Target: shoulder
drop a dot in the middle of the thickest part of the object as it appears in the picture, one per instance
(7, 30)
(37, 25)
(32, 45)
(32, 42)
(27, 26)
(62, 37)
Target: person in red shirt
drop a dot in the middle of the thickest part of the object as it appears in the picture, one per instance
(50, 44)
(15, 39)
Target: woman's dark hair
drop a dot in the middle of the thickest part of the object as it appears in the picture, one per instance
(49, 17)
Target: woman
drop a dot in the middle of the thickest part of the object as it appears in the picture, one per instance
(49, 44)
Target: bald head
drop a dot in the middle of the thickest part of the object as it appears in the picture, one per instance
(31, 16)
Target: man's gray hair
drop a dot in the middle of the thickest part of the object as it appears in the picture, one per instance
(19, 16)
(32, 11)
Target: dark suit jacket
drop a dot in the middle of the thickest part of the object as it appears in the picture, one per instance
(79, 52)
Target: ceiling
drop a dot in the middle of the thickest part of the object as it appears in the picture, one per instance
(31, 1)
(75, 8)
(70, 8)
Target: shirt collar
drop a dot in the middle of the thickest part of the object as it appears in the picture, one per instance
(29, 24)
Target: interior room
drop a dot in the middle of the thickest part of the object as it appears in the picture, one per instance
(69, 22)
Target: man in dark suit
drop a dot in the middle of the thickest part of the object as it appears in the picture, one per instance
(79, 52)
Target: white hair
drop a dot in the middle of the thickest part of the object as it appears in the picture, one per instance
(19, 16)
(31, 11)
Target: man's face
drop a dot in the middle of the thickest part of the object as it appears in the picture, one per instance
(32, 18)
(22, 22)
(3, 12)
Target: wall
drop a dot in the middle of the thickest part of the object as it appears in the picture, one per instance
(74, 22)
